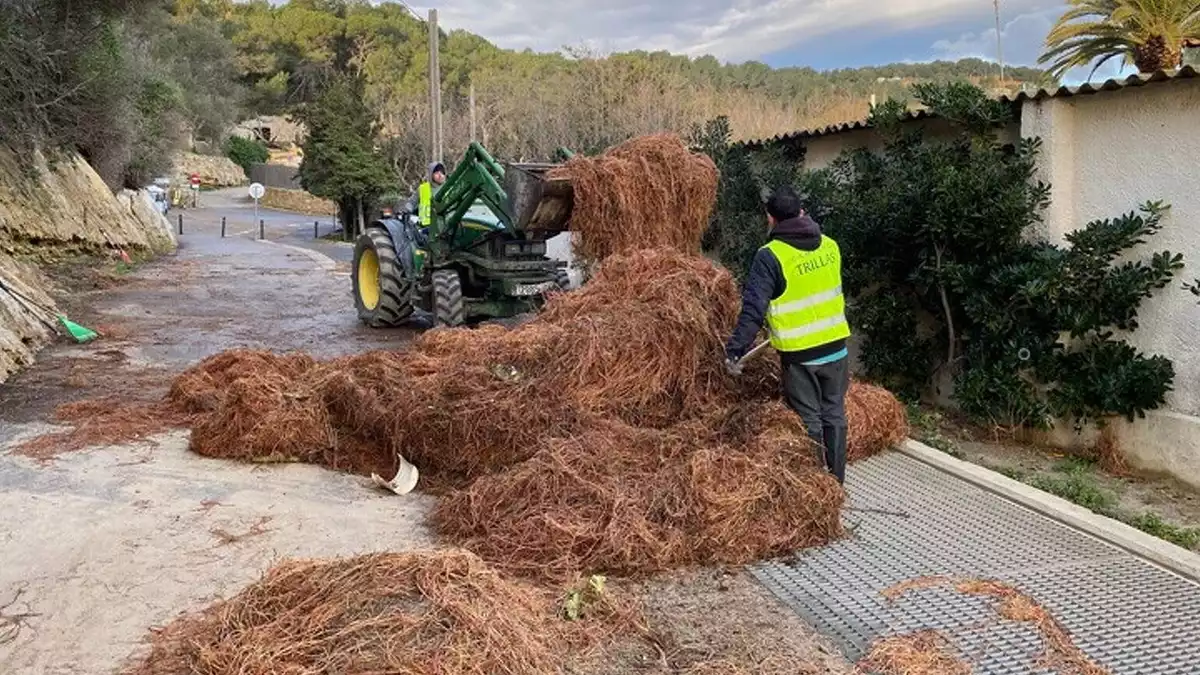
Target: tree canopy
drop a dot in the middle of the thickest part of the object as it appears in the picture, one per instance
(197, 65)
(1149, 34)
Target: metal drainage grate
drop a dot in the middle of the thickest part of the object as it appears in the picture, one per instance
(1124, 612)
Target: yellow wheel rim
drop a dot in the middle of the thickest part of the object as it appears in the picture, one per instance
(368, 279)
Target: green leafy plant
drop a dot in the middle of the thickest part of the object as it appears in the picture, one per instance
(1193, 287)
(944, 279)
(1079, 487)
(1153, 524)
(1074, 480)
(245, 152)
(341, 161)
(739, 227)
(927, 427)
(577, 600)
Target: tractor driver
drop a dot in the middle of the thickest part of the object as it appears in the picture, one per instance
(422, 202)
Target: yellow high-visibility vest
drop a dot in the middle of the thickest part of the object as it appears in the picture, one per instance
(425, 203)
(812, 310)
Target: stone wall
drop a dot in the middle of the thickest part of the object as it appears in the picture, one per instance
(214, 171)
(50, 210)
(297, 201)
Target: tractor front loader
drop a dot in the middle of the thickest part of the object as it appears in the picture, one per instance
(482, 256)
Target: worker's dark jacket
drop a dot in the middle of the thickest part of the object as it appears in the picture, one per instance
(766, 282)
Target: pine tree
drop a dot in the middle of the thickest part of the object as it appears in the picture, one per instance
(341, 162)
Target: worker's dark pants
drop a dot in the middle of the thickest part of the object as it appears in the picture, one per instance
(818, 395)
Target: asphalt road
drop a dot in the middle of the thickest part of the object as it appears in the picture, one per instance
(241, 220)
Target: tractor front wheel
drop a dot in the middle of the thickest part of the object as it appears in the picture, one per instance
(382, 295)
(448, 298)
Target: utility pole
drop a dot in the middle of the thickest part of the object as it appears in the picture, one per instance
(435, 89)
(471, 96)
(999, 41)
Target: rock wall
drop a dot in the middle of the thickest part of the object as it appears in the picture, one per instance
(297, 201)
(22, 333)
(214, 171)
(50, 210)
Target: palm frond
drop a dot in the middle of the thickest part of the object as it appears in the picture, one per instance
(1100, 30)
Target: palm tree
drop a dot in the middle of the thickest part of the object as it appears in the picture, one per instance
(1150, 34)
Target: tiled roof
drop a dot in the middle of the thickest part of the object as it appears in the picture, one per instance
(1187, 72)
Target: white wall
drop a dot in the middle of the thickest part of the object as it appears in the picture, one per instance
(1105, 154)
(822, 150)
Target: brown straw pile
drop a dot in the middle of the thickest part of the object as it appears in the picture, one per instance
(602, 435)
(648, 192)
(428, 612)
(926, 652)
(633, 501)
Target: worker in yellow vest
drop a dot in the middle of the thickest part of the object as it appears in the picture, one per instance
(795, 286)
(422, 202)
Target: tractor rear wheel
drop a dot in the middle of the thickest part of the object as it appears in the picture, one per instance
(448, 298)
(382, 295)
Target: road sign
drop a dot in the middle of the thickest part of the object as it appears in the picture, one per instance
(195, 181)
(256, 192)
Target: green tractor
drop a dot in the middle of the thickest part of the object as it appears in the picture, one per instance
(483, 256)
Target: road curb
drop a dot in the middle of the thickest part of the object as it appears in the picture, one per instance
(328, 264)
(1133, 540)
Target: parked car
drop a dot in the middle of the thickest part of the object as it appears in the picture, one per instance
(160, 198)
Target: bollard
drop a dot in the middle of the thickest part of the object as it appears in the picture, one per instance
(316, 225)
(222, 227)
(181, 223)
(262, 229)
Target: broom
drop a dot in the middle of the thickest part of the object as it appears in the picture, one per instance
(77, 332)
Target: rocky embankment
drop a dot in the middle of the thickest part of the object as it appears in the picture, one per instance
(50, 210)
(214, 171)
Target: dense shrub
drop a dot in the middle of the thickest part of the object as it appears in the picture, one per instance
(245, 152)
(944, 277)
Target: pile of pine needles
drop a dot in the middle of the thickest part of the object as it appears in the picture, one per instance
(421, 612)
(648, 192)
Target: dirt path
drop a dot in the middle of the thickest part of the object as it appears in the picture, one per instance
(97, 547)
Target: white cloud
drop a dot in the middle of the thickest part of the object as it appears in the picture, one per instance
(733, 30)
(1022, 39)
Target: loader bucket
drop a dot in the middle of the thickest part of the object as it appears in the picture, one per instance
(535, 202)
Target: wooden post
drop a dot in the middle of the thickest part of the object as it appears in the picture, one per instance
(999, 42)
(435, 89)
(471, 95)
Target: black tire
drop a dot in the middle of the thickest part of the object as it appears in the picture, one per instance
(448, 304)
(393, 293)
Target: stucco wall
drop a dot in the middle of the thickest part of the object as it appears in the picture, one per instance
(1105, 154)
(822, 150)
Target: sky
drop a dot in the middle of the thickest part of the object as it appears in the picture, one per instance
(822, 34)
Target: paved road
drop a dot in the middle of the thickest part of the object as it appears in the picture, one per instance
(236, 207)
(97, 547)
